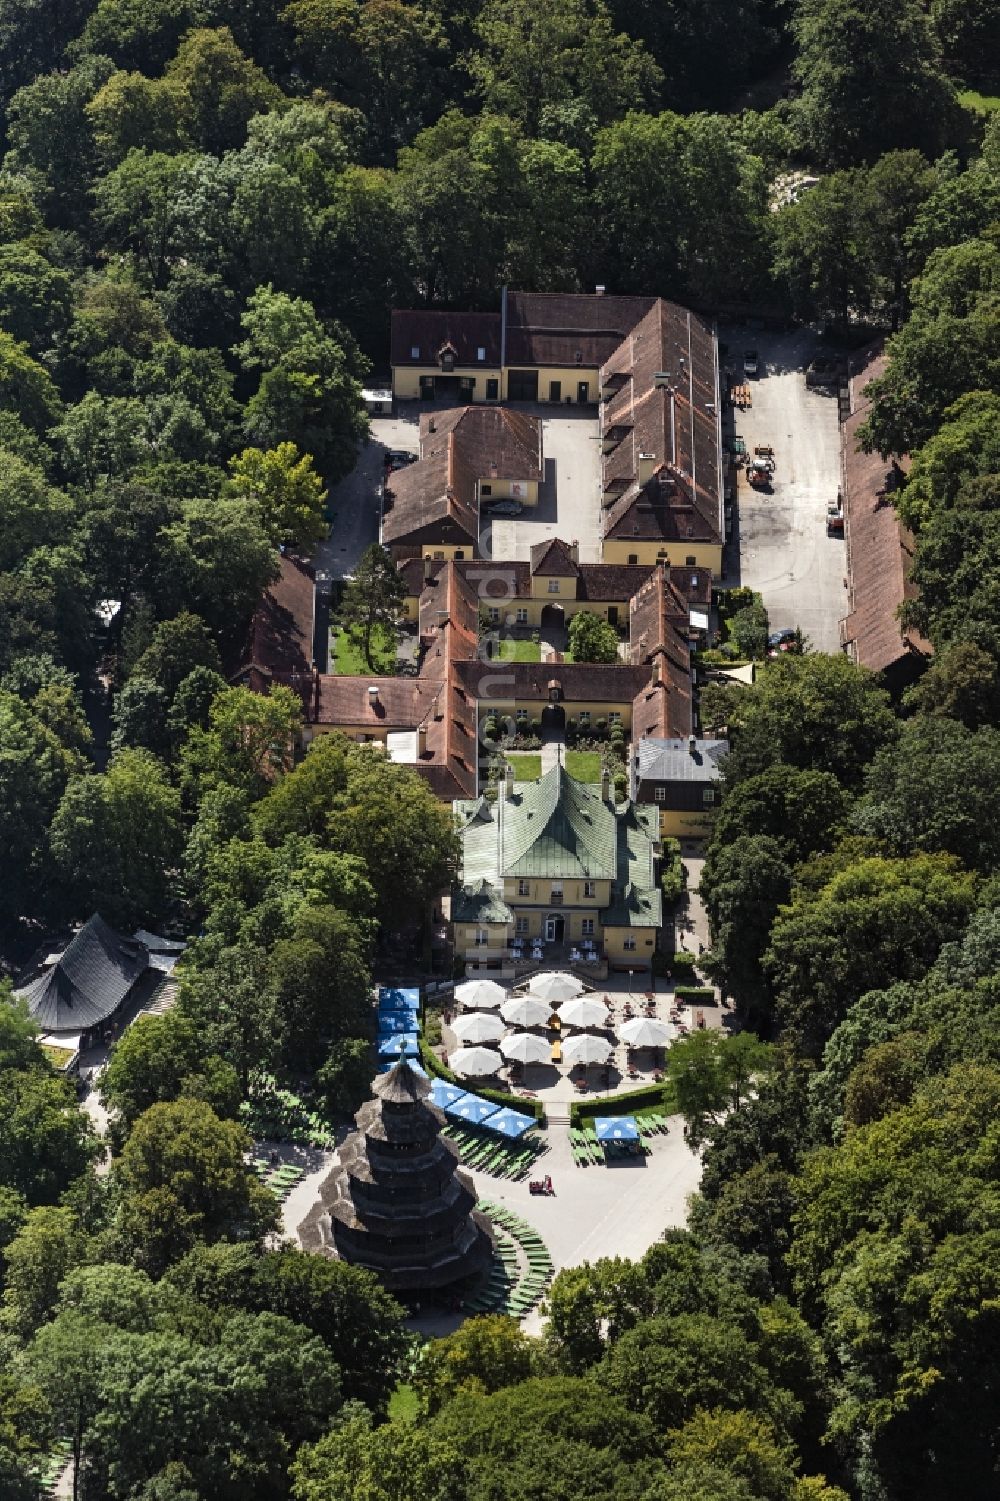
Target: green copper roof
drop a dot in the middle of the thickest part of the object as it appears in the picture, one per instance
(479, 903)
(557, 827)
(634, 908)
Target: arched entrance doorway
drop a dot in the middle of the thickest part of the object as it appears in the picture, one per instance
(553, 719)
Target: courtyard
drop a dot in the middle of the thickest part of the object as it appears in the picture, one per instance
(779, 545)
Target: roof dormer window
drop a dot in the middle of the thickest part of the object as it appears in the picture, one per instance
(414, 351)
(481, 353)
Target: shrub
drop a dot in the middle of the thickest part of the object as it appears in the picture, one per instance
(649, 1097)
(601, 726)
(432, 1063)
(684, 959)
(695, 994)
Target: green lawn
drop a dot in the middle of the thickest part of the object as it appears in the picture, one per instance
(349, 658)
(972, 99)
(527, 766)
(585, 766)
(508, 649)
(404, 1404)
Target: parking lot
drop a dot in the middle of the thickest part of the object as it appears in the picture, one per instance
(779, 543)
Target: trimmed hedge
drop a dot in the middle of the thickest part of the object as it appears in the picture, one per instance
(649, 1097)
(684, 959)
(695, 993)
(432, 1063)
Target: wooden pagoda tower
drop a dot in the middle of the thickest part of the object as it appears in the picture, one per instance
(396, 1203)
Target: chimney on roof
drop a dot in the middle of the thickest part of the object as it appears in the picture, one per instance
(431, 425)
(494, 472)
(692, 745)
(428, 568)
(421, 742)
(605, 785)
(574, 550)
(372, 695)
(508, 782)
(647, 466)
(657, 671)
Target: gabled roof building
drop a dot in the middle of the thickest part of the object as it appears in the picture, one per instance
(557, 864)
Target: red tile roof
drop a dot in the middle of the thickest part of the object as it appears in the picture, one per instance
(495, 442)
(677, 426)
(433, 500)
(430, 329)
(280, 639)
(565, 329)
(879, 549)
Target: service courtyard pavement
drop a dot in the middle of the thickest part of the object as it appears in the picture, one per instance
(779, 537)
(569, 501)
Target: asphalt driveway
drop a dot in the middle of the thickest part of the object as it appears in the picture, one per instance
(779, 543)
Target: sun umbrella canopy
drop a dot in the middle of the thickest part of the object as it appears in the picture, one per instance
(475, 1061)
(471, 1108)
(554, 986)
(586, 1048)
(444, 1094)
(480, 993)
(583, 1012)
(525, 1011)
(477, 1026)
(510, 1123)
(616, 1128)
(392, 999)
(525, 1047)
(404, 1045)
(647, 1032)
(396, 1021)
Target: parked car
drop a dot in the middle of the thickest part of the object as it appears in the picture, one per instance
(398, 458)
(750, 365)
(506, 508)
(778, 638)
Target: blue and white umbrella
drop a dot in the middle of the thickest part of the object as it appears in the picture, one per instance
(444, 1094)
(510, 1123)
(391, 999)
(616, 1128)
(403, 1046)
(471, 1108)
(395, 1021)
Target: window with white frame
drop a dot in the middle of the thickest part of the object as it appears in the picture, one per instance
(708, 796)
(522, 925)
(659, 794)
(522, 616)
(584, 716)
(590, 888)
(524, 888)
(614, 717)
(521, 715)
(481, 352)
(587, 927)
(414, 351)
(556, 892)
(628, 944)
(494, 614)
(553, 586)
(482, 938)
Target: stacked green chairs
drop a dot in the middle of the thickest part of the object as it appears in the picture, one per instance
(495, 1155)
